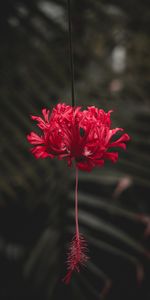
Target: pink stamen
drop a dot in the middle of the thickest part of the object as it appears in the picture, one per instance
(76, 204)
(78, 247)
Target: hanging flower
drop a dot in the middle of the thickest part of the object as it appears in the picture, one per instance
(75, 135)
(82, 136)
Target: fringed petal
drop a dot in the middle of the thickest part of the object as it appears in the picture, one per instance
(40, 152)
(120, 142)
(84, 166)
(35, 139)
(111, 133)
(46, 113)
(41, 123)
(113, 156)
(88, 165)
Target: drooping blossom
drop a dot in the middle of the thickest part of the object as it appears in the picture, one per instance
(85, 138)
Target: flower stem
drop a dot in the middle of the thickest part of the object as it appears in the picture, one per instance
(71, 53)
(76, 205)
(78, 247)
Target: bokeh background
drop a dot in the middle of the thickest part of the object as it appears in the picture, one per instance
(112, 70)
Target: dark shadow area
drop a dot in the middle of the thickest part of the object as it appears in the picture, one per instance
(112, 70)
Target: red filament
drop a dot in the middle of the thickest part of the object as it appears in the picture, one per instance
(77, 253)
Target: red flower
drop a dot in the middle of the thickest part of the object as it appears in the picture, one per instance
(81, 136)
(75, 135)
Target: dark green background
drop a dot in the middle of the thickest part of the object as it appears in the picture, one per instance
(112, 71)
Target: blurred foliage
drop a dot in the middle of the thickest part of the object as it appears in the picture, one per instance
(112, 63)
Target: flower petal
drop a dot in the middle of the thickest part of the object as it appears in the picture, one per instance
(88, 165)
(84, 166)
(40, 152)
(121, 141)
(35, 139)
(112, 132)
(113, 156)
(41, 123)
(46, 113)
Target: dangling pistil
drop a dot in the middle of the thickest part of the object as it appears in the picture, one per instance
(77, 253)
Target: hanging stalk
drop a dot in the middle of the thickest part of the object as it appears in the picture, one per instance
(71, 53)
(77, 254)
(77, 250)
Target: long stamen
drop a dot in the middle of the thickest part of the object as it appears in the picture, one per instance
(76, 205)
(78, 247)
(77, 250)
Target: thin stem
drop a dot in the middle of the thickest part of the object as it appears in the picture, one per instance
(71, 53)
(76, 205)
